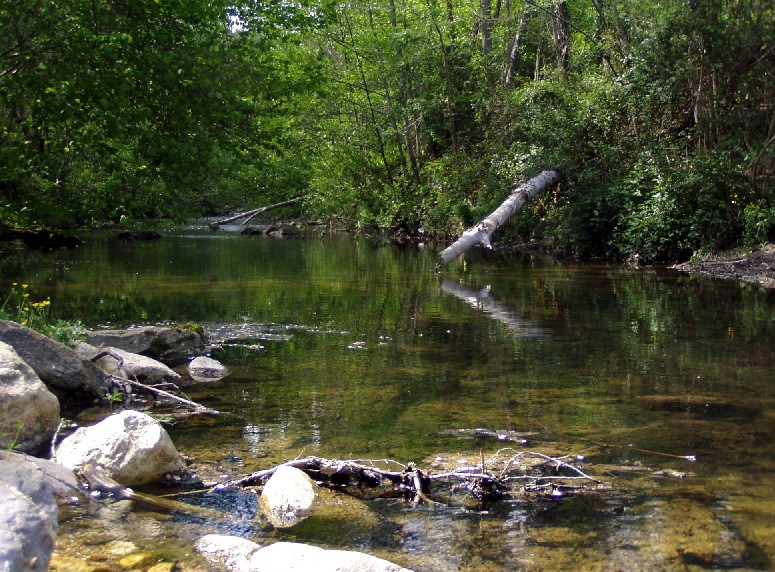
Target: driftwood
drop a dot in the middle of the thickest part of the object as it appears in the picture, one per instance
(248, 215)
(507, 473)
(101, 486)
(119, 380)
(482, 232)
(166, 395)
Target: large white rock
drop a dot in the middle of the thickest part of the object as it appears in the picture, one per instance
(134, 366)
(29, 412)
(242, 555)
(131, 447)
(27, 532)
(288, 497)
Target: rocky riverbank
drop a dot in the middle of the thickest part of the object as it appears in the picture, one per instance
(755, 267)
(47, 464)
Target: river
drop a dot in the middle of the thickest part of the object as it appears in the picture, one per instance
(347, 349)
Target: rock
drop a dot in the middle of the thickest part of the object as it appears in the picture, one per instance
(231, 552)
(59, 367)
(205, 369)
(27, 531)
(288, 497)
(41, 480)
(29, 412)
(131, 447)
(242, 555)
(173, 346)
(143, 368)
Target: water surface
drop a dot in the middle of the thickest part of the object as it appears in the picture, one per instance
(367, 354)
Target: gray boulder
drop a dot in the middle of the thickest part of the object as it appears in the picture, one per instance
(58, 366)
(173, 346)
(130, 447)
(288, 497)
(29, 412)
(204, 369)
(242, 555)
(27, 530)
(134, 366)
(41, 480)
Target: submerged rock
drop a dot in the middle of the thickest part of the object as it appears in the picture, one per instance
(288, 497)
(58, 366)
(29, 412)
(205, 369)
(131, 447)
(236, 553)
(173, 346)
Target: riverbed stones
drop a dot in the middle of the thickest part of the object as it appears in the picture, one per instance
(288, 497)
(172, 346)
(29, 412)
(131, 447)
(134, 366)
(204, 369)
(27, 530)
(242, 555)
(59, 367)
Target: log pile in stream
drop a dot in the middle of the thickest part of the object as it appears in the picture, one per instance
(507, 473)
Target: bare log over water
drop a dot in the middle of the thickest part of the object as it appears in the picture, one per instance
(483, 231)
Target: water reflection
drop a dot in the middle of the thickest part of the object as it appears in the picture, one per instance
(349, 349)
(482, 300)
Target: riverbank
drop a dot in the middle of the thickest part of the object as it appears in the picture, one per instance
(755, 267)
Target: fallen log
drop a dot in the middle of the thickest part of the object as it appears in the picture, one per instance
(482, 232)
(247, 215)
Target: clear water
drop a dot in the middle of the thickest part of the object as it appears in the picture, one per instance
(368, 354)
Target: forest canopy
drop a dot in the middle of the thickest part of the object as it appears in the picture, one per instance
(409, 116)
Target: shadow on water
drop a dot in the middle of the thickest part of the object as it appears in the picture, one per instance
(347, 349)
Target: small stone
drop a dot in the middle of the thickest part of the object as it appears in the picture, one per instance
(134, 560)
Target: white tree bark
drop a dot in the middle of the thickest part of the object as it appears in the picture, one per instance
(483, 231)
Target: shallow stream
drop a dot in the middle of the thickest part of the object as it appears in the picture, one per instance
(365, 353)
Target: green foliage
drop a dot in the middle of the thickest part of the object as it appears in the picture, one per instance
(400, 116)
(759, 220)
(19, 307)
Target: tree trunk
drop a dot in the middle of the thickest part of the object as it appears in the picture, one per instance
(560, 33)
(516, 46)
(482, 232)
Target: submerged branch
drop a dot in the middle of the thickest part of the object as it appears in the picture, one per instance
(167, 395)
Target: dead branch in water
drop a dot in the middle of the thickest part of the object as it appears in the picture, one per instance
(507, 473)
